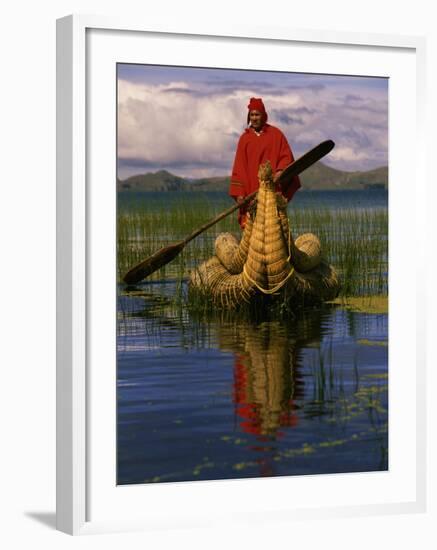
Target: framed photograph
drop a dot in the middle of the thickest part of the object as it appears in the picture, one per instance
(240, 308)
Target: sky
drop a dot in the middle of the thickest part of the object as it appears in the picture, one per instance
(188, 120)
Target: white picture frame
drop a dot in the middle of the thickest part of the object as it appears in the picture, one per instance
(76, 312)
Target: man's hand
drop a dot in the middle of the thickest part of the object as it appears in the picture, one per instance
(240, 199)
(277, 174)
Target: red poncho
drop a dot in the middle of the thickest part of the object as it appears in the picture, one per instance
(253, 150)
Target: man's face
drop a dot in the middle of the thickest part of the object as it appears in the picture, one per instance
(256, 120)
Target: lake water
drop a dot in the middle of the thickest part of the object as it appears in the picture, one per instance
(367, 198)
(230, 397)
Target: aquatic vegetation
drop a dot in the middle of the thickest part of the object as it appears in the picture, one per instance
(366, 342)
(145, 228)
(363, 304)
(355, 241)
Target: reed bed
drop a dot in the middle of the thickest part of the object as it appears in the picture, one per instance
(145, 228)
(354, 240)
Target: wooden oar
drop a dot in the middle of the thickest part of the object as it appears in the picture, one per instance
(166, 254)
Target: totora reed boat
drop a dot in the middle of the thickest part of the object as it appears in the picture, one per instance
(267, 261)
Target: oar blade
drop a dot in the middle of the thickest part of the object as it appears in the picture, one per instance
(153, 263)
(304, 162)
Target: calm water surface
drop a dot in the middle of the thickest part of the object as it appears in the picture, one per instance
(238, 399)
(375, 198)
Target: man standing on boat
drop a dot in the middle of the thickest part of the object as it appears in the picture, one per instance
(258, 143)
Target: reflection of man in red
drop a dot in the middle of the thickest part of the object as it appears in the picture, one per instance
(258, 143)
(264, 392)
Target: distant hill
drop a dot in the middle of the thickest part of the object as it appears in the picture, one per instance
(159, 181)
(317, 177)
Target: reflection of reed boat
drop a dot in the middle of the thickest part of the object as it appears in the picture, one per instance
(267, 260)
(265, 378)
(268, 368)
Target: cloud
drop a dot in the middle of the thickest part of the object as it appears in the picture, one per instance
(181, 90)
(192, 127)
(292, 116)
(352, 98)
(347, 154)
(285, 118)
(165, 124)
(169, 124)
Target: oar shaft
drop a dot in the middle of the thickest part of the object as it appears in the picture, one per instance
(219, 217)
(168, 253)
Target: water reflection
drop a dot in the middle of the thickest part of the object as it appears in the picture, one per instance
(267, 377)
(220, 396)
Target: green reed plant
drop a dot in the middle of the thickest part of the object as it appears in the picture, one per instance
(355, 241)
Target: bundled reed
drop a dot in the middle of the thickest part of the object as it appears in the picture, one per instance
(267, 260)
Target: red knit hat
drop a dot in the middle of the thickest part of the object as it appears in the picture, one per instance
(256, 104)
